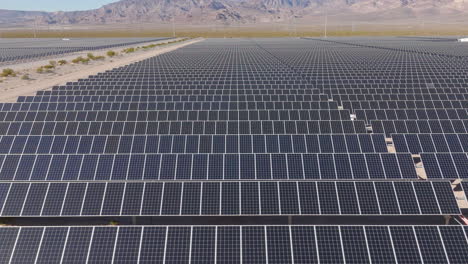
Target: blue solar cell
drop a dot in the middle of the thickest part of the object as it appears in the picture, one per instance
(74, 199)
(203, 245)
(446, 165)
(347, 195)
(25, 167)
(380, 244)
(15, 200)
(52, 245)
(354, 244)
(387, 198)
(311, 166)
(279, 166)
(329, 244)
(215, 167)
(113, 197)
(132, 200)
(102, 245)
(171, 200)
(177, 245)
(230, 193)
(35, 199)
(93, 199)
(250, 199)
(27, 245)
(328, 198)
(253, 244)
(406, 197)
(343, 166)
(228, 245)
(405, 244)
(434, 251)
(54, 200)
(278, 244)
(152, 195)
(327, 166)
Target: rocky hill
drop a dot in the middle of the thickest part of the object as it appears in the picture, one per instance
(237, 11)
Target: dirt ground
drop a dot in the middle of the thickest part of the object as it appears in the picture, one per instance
(12, 87)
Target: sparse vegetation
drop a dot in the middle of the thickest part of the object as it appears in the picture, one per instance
(25, 77)
(53, 63)
(49, 67)
(62, 62)
(128, 50)
(8, 73)
(92, 57)
(80, 60)
(40, 70)
(111, 53)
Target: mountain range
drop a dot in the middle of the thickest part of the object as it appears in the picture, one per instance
(239, 11)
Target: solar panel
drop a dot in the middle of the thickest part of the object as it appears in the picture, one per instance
(182, 127)
(445, 165)
(236, 198)
(247, 130)
(185, 144)
(416, 144)
(285, 244)
(211, 166)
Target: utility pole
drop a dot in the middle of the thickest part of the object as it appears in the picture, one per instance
(326, 21)
(35, 29)
(295, 25)
(173, 27)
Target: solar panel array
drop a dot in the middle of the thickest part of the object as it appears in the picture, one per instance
(235, 244)
(18, 50)
(244, 129)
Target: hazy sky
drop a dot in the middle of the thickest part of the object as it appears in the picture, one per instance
(52, 5)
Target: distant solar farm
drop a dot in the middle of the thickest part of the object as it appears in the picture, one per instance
(19, 50)
(312, 150)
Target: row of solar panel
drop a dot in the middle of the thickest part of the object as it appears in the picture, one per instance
(170, 106)
(442, 89)
(389, 127)
(292, 90)
(386, 86)
(227, 198)
(176, 115)
(453, 104)
(445, 165)
(254, 88)
(183, 127)
(398, 49)
(363, 143)
(207, 167)
(417, 143)
(277, 73)
(337, 82)
(170, 98)
(400, 97)
(36, 50)
(274, 73)
(235, 244)
(411, 114)
(213, 81)
(259, 70)
(274, 79)
(314, 88)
